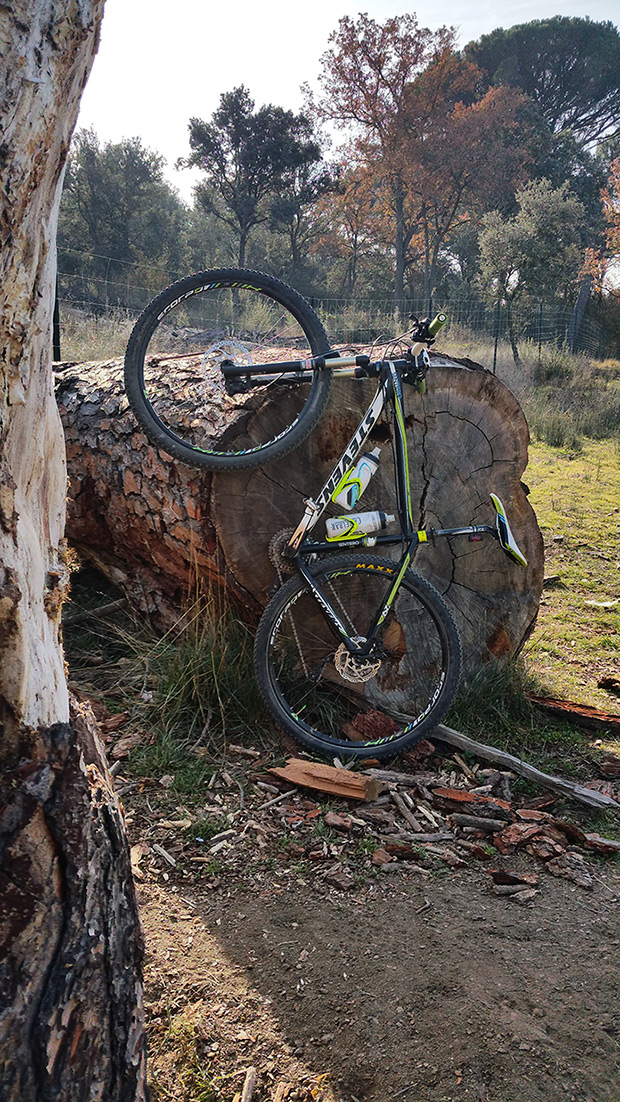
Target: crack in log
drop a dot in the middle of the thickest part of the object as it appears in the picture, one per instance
(288, 487)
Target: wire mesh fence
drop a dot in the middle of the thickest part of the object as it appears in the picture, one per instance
(103, 296)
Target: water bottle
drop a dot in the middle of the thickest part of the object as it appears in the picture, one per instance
(357, 524)
(352, 484)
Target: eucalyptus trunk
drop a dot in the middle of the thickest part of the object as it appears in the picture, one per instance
(70, 952)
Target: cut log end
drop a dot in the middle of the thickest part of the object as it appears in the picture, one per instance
(155, 526)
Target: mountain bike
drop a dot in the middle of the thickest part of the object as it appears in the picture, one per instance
(356, 655)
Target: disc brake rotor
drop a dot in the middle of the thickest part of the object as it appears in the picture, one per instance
(353, 667)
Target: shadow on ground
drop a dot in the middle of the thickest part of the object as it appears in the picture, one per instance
(432, 990)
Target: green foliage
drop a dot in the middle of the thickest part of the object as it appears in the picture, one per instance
(251, 159)
(117, 207)
(570, 67)
(536, 251)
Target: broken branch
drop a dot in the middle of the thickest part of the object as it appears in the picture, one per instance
(490, 753)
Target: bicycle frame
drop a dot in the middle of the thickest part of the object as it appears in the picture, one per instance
(301, 547)
(389, 394)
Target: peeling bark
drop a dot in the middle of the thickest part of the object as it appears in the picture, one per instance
(155, 527)
(71, 1023)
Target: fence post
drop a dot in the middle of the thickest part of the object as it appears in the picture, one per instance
(496, 337)
(56, 357)
(540, 317)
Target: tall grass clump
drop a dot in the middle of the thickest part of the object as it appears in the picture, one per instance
(565, 396)
(494, 700)
(85, 336)
(494, 706)
(204, 693)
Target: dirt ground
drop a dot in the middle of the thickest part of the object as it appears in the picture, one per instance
(420, 987)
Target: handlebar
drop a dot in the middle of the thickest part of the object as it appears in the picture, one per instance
(360, 366)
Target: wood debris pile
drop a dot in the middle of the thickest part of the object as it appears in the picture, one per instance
(333, 827)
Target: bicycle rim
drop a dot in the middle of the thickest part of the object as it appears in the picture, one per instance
(334, 704)
(174, 378)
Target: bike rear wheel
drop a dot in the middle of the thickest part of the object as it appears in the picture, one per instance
(334, 704)
(174, 378)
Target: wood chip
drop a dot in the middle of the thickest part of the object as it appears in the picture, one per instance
(571, 866)
(463, 766)
(509, 889)
(340, 879)
(326, 778)
(427, 813)
(164, 853)
(524, 897)
(114, 722)
(478, 822)
(338, 822)
(405, 812)
(602, 845)
(249, 1085)
(507, 877)
(129, 742)
(221, 836)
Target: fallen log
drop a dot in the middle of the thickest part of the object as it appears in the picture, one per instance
(582, 715)
(577, 792)
(161, 531)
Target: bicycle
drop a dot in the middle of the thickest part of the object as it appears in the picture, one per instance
(355, 654)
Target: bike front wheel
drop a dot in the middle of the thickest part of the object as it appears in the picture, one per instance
(176, 385)
(330, 701)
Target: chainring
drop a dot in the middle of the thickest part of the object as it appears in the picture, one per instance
(277, 547)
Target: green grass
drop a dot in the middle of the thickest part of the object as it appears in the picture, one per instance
(576, 498)
(495, 708)
(179, 1069)
(193, 690)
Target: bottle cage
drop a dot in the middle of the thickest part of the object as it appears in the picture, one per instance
(504, 533)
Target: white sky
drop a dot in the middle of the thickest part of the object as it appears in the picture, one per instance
(162, 62)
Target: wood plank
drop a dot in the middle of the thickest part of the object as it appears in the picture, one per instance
(326, 778)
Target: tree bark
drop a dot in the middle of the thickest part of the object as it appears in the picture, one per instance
(70, 993)
(71, 1025)
(154, 526)
(510, 322)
